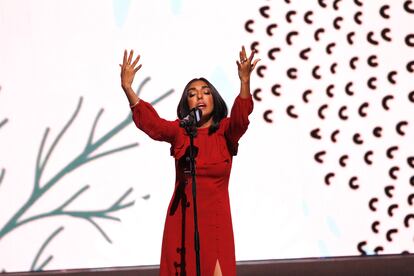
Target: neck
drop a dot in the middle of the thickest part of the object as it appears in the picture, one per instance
(206, 122)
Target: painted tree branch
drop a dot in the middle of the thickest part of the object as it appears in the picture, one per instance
(88, 154)
(34, 266)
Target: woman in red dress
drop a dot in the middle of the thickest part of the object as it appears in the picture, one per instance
(216, 142)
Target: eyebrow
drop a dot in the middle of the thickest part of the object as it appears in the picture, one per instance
(192, 88)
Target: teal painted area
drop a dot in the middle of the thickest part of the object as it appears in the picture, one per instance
(224, 86)
(333, 227)
(121, 8)
(176, 6)
(323, 249)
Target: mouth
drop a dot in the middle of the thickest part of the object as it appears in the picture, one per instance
(201, 106)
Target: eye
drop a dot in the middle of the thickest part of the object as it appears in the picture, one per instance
(190, 95)
(207, 92)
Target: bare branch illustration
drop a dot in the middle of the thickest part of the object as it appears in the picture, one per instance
(88, 154)
(34, 266)
(2, 173)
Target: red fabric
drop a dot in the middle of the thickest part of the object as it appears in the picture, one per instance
(213, 164)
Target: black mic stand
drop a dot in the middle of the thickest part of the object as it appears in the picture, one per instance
(192, 131)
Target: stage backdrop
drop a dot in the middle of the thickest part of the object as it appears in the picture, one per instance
(325, 169)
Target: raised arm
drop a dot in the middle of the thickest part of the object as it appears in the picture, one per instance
(128, 71)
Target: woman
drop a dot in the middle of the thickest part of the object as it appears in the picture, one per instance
(216, 142)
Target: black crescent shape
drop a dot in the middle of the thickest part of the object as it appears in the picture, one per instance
(322, 3)
(372, 61)
(317, 33)
(357, 17)
(307, 16)
(304, 53)
(377, 131)
(315, 133)
(260, 70)
(318, 156)
(275, 88)
(289, 37)
(399, 127)
(411, 96)
(371, 83)
(391, 209)
(407, 220)
(266, 116)
(362, 109)
(329, 90)
(410, 66)
(367, 157)
(333, 67)
(385, 100)
(352, 183)
(334, 134)
(410, 199)
(247, 26)
(390, 151)
(350, 38)
(343, 159)
(272, 52)
(405, 252)
(336, 22)
(335, 4)
(390, 233)
(348, 90)
(388, 190)
(383, 11)
(374, 226)
(328, 177)
(409, 40)
(358, 3)
(315, 73)
(292, 73)
(256, 93)
(391, 77)
(305, 95)
(385, 34)
(352, 62)
(287, 1)
(321, 110)
(410, 161)
(341, 113)
(407, 7)
(269, 29)
(392, 171)
(372, 203)
(412, 180)
(264, 11)
(378, 249)
(253, 46)
(329, 47)
(289, 111)
(360, 247)
(357, 139)
(289, 15)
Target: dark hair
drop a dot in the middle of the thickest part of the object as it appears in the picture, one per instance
(220, 107)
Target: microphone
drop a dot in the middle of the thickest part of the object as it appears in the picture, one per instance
(192, 118)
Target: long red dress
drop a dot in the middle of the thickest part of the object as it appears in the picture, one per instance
(213, 165)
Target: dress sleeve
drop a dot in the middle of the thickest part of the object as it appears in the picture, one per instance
(238, 122)
(147, 119)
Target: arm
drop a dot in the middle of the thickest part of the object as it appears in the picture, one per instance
(243, 105)
(143, 114)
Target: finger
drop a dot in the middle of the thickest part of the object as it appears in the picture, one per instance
(125, 57)
(244, 52)
(254, 64)
(136, 61)
(136, 69)
(252, 55)
(238, 64)
(240, 55)
(131, 53)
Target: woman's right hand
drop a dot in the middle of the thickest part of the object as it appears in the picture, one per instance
(129, 69)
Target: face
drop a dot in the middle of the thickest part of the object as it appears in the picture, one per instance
(199, 95)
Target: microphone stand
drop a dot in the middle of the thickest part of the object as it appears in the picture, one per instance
(191, 131)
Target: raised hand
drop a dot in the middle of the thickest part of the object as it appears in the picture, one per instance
(246, 65)
(129, 70)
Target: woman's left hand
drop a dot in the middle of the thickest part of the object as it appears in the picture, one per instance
(246, 65)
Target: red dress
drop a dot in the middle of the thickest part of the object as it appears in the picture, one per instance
(213, 165)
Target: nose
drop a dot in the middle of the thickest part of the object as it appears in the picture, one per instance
(199, 95)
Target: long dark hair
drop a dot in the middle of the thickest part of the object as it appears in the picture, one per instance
(220, 107)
